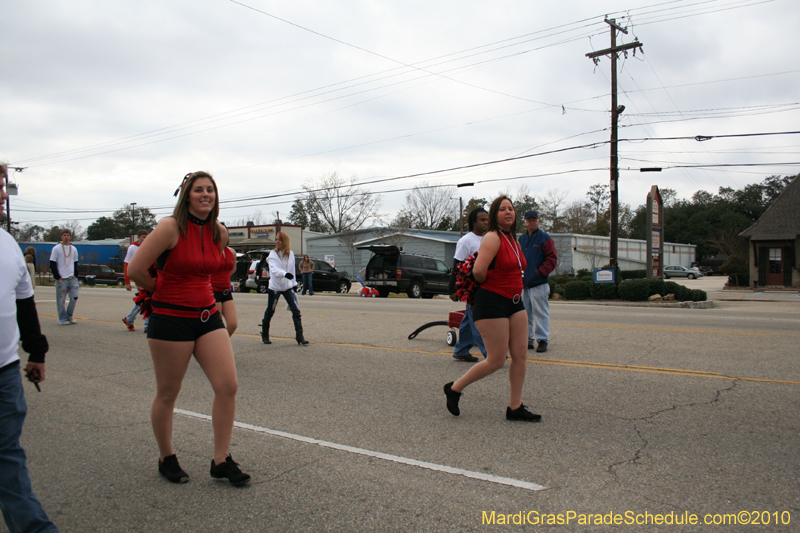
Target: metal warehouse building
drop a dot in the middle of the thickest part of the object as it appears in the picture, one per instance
(575, 252)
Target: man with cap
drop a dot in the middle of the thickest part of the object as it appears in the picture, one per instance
(540, 253)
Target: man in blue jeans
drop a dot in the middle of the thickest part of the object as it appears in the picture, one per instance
(540, 253)
(64, 266)
(21, 508)
(478, 220)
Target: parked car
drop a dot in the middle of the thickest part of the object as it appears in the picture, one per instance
(257, 281)
(101, 273)
(324, 278)
(676, 271)
(390, 270)
(253, 280)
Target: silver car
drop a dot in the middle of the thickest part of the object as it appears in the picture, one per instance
(677, 271)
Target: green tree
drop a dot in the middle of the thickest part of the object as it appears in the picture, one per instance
(129, 220)
(104, 228)
(302, 215)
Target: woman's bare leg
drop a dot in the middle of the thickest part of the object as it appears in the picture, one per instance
(518, 347)
(214, 353)
(495, 334)
(170, 361)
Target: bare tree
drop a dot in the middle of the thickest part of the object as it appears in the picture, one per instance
(552, 207)
(257, 218)
(599, 199)
(341, 204)
(428, 206)
(578, 217)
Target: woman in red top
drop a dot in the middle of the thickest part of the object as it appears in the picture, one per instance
(187, 250)
(221, 285)
(498, 312)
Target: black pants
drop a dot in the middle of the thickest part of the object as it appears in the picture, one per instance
(272, 303)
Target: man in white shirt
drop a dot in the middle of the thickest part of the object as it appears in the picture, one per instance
(64, 265)
(128, 320)
(18, 320)
(478, 220)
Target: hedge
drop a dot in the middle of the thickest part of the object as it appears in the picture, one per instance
(658, 286)
(603, 291)
(577, 290)
(634, 290)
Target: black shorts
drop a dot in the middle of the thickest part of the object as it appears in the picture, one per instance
(223, 296)
(489, 304)
(180, 329)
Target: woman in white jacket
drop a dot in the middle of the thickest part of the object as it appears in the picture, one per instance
(282, 282)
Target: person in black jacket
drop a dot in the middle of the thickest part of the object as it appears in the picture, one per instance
(21, 508)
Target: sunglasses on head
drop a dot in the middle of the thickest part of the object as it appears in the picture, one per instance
(186, 177)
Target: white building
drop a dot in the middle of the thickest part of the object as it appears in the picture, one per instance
(577, 252)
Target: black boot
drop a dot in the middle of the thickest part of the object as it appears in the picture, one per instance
(265, 333)
(298, 330)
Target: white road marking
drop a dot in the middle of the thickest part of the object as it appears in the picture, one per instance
(378, 455)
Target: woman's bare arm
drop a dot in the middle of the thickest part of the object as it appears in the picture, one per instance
(486, 254)
(164, 237)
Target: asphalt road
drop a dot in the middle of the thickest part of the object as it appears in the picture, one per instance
(648, 411)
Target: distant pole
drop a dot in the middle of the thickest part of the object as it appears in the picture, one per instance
(133, 216)
(616, 110)
(8, 205)
(461, 208)
(460, 216)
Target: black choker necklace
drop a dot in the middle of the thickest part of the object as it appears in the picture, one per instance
(194, 220)
(504, 231)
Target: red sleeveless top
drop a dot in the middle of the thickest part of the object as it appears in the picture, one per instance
(221, 281)
(183, 282)
(504, 276)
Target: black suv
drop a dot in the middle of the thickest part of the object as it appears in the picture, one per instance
(101, 273)
(324, 277)
(391, 270)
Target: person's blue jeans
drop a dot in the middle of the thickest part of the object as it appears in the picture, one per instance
(307, 284)
(132, 316)
(66, 288)
(21, 508)
(468, 336)
(535, 300)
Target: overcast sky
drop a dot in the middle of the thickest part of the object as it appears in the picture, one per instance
(109, 102)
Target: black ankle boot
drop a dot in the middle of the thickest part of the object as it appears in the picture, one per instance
(298, 330)
(265, 333)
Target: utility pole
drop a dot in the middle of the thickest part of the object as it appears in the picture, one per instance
(133, 216)
(11, 190)
(616, 110)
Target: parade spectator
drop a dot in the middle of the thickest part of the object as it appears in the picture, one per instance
(498, 311)
(22, 510)
(540, 253)
(30, 262)
(187, 249)
(307, 271)
(64, 265)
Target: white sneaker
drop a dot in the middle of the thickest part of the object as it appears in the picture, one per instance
(63, 324)
(72, 321)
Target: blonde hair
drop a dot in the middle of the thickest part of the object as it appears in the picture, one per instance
(287, 242)
(181, 212)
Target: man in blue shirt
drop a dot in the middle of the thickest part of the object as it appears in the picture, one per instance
(540, 252)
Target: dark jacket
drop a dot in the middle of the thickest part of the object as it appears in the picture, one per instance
(540, 252)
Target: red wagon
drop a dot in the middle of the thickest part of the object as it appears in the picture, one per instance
(453, 322)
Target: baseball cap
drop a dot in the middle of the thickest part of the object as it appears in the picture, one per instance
(531, 214)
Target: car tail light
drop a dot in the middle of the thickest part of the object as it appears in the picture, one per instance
(399, 274)
(251, 271)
